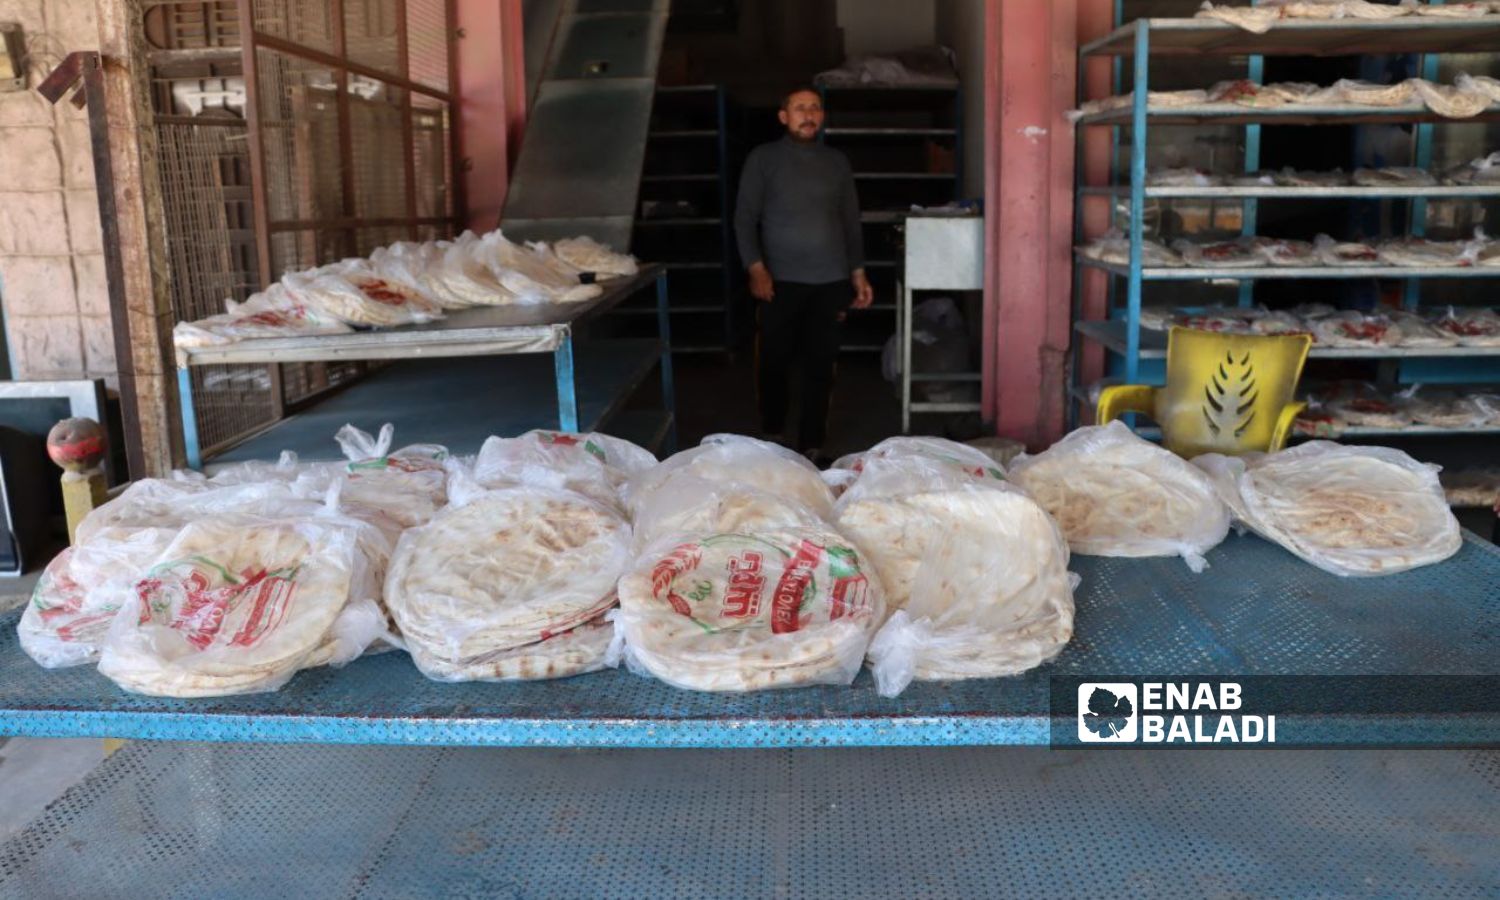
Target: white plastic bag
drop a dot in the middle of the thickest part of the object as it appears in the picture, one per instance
(745, 612)
(238, 604)
(975, 571)
(1346, 510)
(503, 570)
(595, 465)
(352, 291)
(76, 598)
(1114, 493)
(407, 486)
(730, 459)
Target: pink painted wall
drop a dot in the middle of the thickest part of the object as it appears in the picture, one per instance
(491, 84)
(1029, 85)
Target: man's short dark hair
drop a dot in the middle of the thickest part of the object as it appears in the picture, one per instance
(786, 98)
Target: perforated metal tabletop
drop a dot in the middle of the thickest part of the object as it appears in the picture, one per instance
(191, 821)
(1403, 659)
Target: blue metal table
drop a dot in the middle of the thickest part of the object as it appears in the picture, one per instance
(194, 820)
(495, 331)
(1407, 659)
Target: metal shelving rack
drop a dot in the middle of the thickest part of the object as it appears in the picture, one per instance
(678, 169)
(1138, 356)
(939, 107)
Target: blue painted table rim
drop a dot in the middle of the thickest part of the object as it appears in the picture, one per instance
(1405, 659)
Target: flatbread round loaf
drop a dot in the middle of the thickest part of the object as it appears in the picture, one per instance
(80, 591)
(688, 505)
(595, 465)
(237, 605)
(1347, 510)
(573, 652)
(733, 459)
(508, 569)
(741, 612)
(1116, 494)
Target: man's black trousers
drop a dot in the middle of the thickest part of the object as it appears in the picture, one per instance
(801, 324)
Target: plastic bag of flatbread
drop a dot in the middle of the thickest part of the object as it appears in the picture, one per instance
(351, 291)
(595, 465)
(174, 502)
(588, 255)
(974, 571)
(527, 272)
(493, 587)
(731, 459)
(1450, 102)
(745, 612)
(73, 602)
(688, 505)
(1346, 510)
(238, 604)
(961, 456)
(393, 489)
(262, 316)
(1114, 493)
(462, 273)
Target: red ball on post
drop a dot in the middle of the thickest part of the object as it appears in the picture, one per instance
(76, 445)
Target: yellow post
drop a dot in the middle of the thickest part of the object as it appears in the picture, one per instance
(78, 446)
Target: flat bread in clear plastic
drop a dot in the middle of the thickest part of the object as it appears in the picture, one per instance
(505, 570)
(256, 320)
(576, 651)
(1450, 10)
(73, 603)
(1365, 406)
(688, 505)
(729, 459)
(1440, 408)
(974, 571)
(1450, 102)
(237, 604)
(1416, 331)
(1182, 178)
(1346, 510)
(595, 465)
(1154, 100)
(1239, 254)
(1471, 327)
(1114, 493)
(940, 450)
(1350, 328)
(1345, 253)
(526, 271)
(353, 292)
(1290, 177)
(1287, 253)
(1483, 170)
(588, 255)
(1420, 252)
(1114, 249)
(746, 612)
(1394, 176)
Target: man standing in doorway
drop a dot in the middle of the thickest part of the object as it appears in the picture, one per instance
(798, 227)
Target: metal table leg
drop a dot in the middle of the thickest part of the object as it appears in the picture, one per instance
(567, 388)
(189, 419)
(903, 328)
(668, 384)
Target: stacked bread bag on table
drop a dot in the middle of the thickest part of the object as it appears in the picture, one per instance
(1114, 493)
(740, 582)
(1347, 510)
(975, 572)
(513, 578)
(194, 587)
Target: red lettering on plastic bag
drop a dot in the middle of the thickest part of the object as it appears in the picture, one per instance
(268, 610)
(792, 586)
(742, 599)
(684, 559)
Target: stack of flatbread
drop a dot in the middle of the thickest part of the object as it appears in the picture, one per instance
(352, 292)
(254, 320)
(975, 571)
(1116, 494)
(1238, 254)
(1351, 328)
(80, 591)
(744, 612)
(1346, 510)
(1114, 249)
(966, 458)
(729, 482)
(513, 584)
(588, 255)
(238, 604)
(393, 490)
(595, 465)
(1471, 327)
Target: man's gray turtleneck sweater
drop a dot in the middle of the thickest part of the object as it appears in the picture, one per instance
(798, 213)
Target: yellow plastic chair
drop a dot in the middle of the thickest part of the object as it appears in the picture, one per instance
(1225, 393)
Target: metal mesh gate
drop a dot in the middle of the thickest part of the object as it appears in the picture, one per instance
(293, 134)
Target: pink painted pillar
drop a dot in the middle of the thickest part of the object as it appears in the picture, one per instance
(1095, 19)
(491, 83)
(1029, 84)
